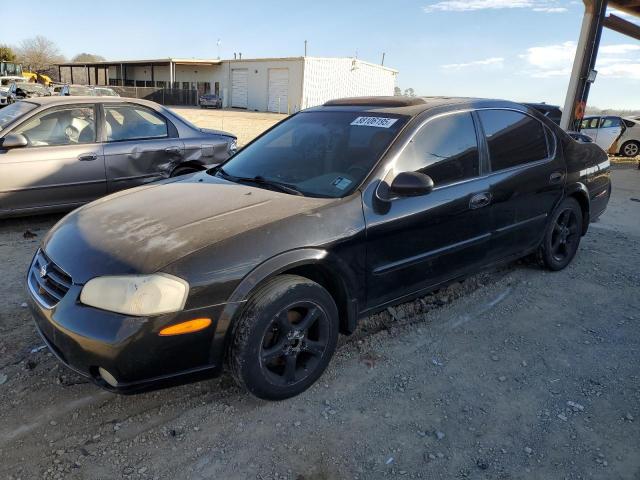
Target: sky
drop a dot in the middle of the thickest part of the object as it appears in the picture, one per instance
(519, 50)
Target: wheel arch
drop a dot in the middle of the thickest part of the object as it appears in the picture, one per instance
(580, 193)
(188, 164)
(315, 264)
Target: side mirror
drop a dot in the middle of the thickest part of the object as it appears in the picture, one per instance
(411, 184)
(14, 140)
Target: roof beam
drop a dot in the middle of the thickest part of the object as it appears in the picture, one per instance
(623, 26)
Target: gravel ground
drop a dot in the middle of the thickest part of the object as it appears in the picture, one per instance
(513, 373)
(244, 124)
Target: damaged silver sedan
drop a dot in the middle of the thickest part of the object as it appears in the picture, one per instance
(57, 153)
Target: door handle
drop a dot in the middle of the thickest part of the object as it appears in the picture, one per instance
(480, 200)
(556, 177)
(88, 157)
(172, 149)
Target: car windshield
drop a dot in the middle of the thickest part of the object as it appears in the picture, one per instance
(317, 153)
(32, 87)
(80, 91)
(105, 92)
(11, 112)
(9, 81)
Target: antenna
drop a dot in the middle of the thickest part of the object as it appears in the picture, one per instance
(305, 48)
(382, 62)
(218, 45)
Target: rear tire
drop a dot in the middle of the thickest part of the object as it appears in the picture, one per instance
(630, 149)
(562, 236)
(284, 338)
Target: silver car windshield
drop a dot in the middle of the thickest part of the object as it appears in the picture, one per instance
(14, 111)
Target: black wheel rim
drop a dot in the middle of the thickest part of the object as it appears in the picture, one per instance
(294, 343)
(564, 237)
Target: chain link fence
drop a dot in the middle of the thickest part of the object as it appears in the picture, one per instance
(163, 96)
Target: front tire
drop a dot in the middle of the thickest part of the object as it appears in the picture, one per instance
(562, 237)
(284, 338)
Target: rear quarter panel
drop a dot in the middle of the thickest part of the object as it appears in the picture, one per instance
(588, 165)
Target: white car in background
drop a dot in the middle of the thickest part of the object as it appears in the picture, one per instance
(7, 80)
(615, 135)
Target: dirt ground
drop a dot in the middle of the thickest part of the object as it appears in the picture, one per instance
(516, 373)
(245, 125)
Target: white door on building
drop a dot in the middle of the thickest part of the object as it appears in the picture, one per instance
(278, 90)
(239, 88)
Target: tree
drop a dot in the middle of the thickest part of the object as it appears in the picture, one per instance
(88, 58)
(409, 92)
(7, 54)
(397, 92)
(39, 54)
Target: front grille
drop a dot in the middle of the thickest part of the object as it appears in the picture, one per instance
(48, 282)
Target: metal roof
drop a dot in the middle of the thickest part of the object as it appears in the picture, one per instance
(632, 7)
(205, 61)
(81, 99)
(178, 61)
(413, 106)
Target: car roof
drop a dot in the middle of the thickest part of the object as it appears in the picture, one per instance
(412, 106)
(70, 100)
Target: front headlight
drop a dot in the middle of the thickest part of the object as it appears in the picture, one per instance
(138, 295)
(232, 146)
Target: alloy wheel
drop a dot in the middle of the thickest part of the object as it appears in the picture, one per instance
(565, 235)
(631, 149)
(294, 343)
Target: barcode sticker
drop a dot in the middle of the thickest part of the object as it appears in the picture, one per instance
(379, 122)
(341, 183)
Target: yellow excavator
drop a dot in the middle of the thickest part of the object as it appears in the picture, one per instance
(15, 69)
(37, 77)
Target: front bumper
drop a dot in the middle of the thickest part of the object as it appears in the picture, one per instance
(129, 348)
(209, 103)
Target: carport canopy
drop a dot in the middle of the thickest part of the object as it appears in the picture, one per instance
(583, 73)
(121, 66)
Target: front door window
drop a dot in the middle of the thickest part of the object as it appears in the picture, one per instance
(61, 126)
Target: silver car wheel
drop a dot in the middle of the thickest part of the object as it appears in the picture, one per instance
(631, 149)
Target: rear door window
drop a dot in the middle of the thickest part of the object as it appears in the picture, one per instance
(513, 138)
(445, 148)
(133, 122)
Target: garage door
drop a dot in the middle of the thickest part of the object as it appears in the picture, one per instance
(278, 89)
(239, 88)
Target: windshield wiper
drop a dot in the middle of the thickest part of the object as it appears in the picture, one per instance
(260, 180)
(219, 170)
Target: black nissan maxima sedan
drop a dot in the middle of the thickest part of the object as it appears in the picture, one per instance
(336, 212)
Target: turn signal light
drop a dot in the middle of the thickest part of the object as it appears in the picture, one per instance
(189, 326)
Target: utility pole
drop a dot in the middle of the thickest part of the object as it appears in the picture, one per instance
(305, 48)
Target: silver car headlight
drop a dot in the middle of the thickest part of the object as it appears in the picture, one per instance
(232, 146)
(137, 295)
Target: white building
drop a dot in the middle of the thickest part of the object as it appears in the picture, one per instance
(261, 84)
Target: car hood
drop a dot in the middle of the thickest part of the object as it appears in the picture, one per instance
(146, 228)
